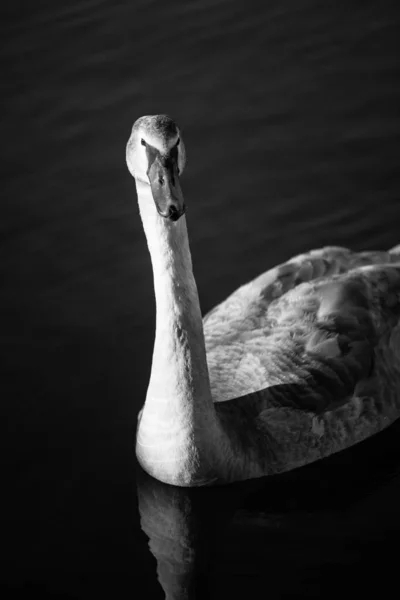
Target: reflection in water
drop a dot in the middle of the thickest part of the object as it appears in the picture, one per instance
(287, 532)
(183, 526)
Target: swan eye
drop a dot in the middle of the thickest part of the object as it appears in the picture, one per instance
(161, 180)
(143, 142)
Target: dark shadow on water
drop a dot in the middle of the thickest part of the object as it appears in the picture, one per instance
(324, 529)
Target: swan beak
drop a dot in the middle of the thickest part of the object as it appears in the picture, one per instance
(166, 189)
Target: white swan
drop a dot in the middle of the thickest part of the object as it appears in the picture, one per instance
(300, 363)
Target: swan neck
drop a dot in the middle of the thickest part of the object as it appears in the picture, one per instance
(178, 407)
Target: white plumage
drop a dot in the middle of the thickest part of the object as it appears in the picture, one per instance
(301, 362)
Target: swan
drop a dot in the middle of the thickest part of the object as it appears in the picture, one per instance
(300, 363)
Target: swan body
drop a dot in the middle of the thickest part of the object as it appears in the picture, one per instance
(297, 364)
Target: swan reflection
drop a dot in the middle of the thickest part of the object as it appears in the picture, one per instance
(280, 531)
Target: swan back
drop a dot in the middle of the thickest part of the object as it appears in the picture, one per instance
(316, 316)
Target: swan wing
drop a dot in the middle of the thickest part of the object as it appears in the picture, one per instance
(309, 334)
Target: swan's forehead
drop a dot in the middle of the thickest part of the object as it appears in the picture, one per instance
(161, 144)
(159, 131)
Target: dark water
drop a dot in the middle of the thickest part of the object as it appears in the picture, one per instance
(291, 122)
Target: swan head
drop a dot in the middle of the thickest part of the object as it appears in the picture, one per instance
(155, 155)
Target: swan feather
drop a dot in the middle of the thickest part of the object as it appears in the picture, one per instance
(312, 349)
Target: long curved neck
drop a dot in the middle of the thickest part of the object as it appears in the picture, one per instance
(178, 408)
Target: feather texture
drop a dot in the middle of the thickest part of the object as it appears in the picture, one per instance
(312, 349)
